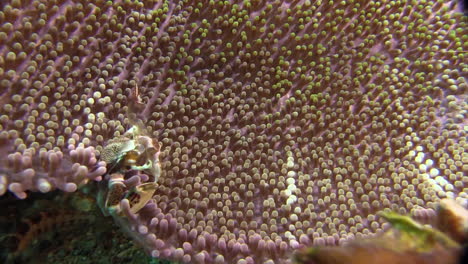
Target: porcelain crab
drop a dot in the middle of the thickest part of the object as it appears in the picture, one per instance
(133, 169)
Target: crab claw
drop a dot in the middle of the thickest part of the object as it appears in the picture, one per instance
(115, 193)
(141, 196)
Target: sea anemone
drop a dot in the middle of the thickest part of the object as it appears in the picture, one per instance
(283, 123)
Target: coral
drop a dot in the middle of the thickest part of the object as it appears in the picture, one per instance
(62, 228)
(47, 223)
(283, 123)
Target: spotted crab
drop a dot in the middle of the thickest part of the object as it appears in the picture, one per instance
(133, 167)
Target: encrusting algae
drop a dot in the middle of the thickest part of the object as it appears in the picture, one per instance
(406, 242)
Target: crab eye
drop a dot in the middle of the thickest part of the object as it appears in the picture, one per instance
(131, 158)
